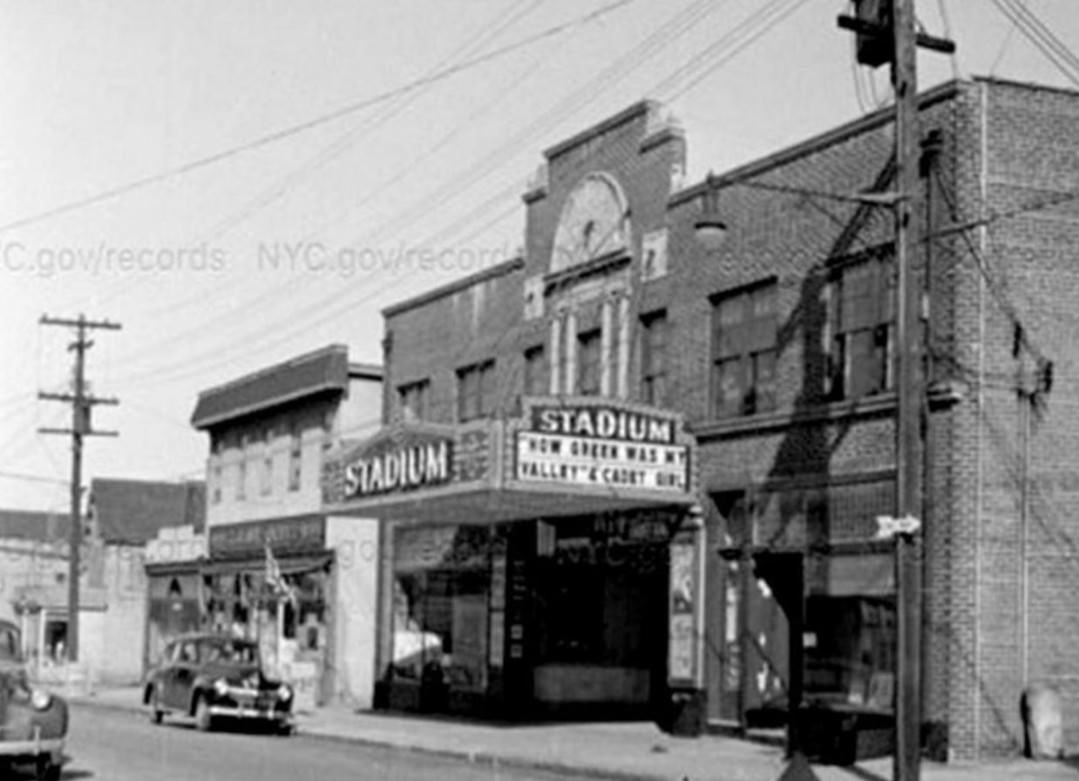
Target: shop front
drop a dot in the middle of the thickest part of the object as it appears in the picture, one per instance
(541, 566)
(807, 619)
(270, 581)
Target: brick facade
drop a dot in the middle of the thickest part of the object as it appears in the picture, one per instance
(993, 619)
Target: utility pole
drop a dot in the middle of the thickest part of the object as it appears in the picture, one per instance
(910, 387)
(887, 34)
(81, 405)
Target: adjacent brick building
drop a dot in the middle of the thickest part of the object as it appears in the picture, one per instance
(775, 349)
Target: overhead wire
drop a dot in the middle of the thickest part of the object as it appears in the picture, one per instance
(678, 25)
(287, 132)
(728, 46)
(346, 141)
(489, 32)
(1042, 37)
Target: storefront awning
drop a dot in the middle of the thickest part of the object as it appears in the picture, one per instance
(289, 566)
(505, 504)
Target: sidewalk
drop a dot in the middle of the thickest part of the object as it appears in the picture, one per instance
(633, 750)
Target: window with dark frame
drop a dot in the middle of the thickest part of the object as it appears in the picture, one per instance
(536, 375)
(476, 391)
(588, 363)
(861, 324)
(295, 456)
(241, 477)
(744, 351)
(413, 397)
(215, 494)
(266, 476)
(654, 331)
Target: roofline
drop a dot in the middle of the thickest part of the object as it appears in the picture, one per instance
(365, 371)
(145, 481)
(1025, 85)
(330, 348)
(236, 413)
(836, 135)
(623, 116)
(498, 270)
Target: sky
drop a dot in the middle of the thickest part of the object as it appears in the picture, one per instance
(238, 183)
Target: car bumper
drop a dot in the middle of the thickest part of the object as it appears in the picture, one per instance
(250, 713)
(34, 747)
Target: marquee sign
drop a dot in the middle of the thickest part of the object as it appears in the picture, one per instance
(399, 467)
(603, 446)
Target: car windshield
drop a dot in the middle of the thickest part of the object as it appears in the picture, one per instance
(231, 652)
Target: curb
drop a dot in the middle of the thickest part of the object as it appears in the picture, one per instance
(479, 758)
(487, 759)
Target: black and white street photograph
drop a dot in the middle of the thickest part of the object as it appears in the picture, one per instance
(524, 390)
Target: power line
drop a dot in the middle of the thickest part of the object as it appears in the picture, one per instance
(1042, 38)
(372, 192)
(680, 23)
(34, 478)
(728, 46)
(287, 132)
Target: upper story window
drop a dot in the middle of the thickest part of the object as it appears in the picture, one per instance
(589, 366)
(476, 391)
(295, 456)
(215, 488)
(861, 325)
(413, 397)
(266, 475)
(537, 379)
(654, 328)
(241, 477)
(744, 351)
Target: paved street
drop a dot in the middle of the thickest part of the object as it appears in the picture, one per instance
(118, 746)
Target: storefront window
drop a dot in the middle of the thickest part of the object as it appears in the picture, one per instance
(600, 592)
(851, 631)
(440, 614)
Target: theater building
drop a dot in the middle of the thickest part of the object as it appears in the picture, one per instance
(277, 568)
(634, 471)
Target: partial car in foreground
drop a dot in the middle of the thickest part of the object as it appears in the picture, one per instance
(33, 722)
(211, 677)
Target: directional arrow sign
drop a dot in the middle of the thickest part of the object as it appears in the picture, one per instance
(889, 526)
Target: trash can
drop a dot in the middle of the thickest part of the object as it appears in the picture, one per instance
(1043, 723)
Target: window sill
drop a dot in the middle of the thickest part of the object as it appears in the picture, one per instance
(940, 395)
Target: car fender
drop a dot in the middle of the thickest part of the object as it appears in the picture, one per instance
(202, 686)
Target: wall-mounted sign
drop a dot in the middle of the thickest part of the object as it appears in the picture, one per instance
(399, 467)
(603, 422)
(284, 535)
(682, 635)
(602, 446)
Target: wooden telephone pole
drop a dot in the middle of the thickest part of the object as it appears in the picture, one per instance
(81, 404)
(887, 34)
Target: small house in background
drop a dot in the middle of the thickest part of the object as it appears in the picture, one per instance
(121, 516)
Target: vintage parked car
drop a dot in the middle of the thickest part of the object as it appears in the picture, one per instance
(33, 723)
(209, 676)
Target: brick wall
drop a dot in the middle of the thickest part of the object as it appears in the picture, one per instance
(1017, 144)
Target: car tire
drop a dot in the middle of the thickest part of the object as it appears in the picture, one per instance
(156, 714)
(204, 721)
(285, 730)
(46, 769)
